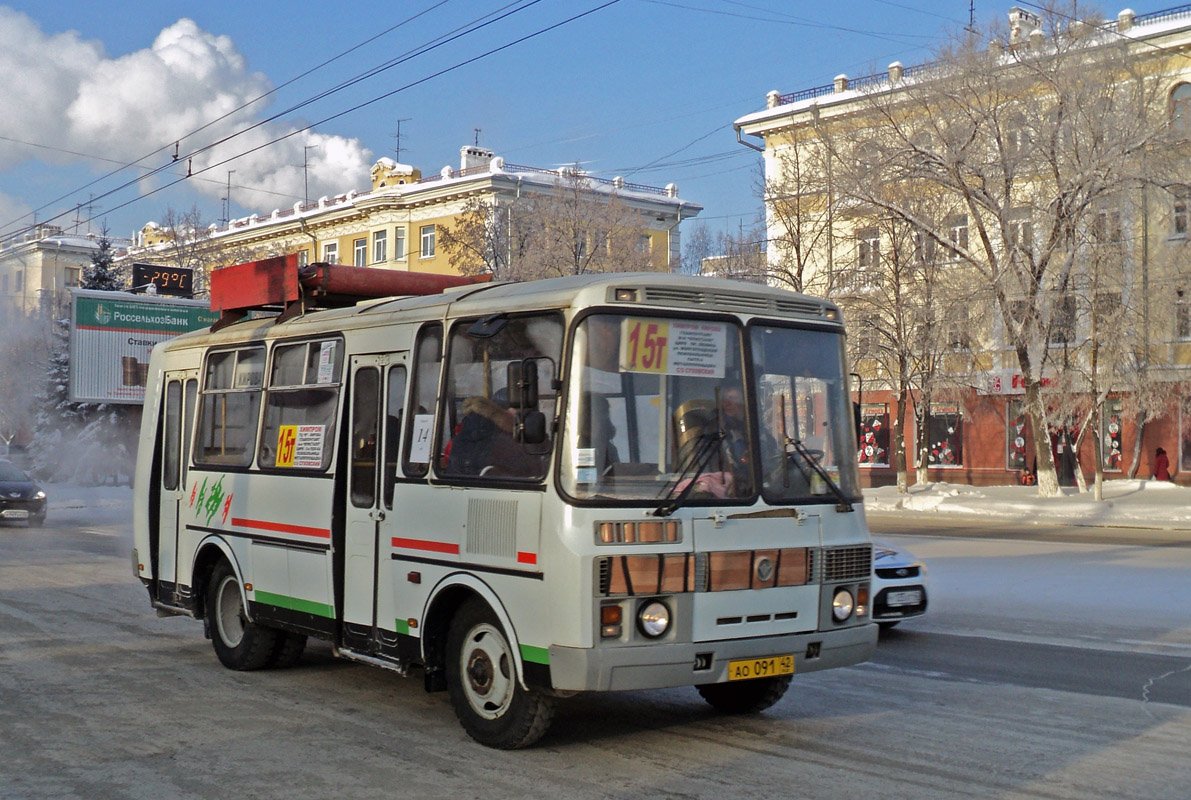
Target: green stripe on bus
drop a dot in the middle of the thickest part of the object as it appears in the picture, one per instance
(402, 626)
(294, 604)
(538, 655)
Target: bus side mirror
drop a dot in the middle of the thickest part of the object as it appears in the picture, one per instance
(523, 383)
(530, 427)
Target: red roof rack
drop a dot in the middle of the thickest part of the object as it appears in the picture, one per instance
(279, 284)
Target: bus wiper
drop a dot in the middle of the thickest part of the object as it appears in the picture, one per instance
(696, 464)
(812, 462)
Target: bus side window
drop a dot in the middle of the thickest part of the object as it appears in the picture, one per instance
(394, 408)
(419, 423)
(231, 400)
(300, 405)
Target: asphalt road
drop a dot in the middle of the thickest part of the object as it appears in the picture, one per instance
(99, 698)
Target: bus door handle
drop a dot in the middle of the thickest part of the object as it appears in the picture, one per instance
(377, 515)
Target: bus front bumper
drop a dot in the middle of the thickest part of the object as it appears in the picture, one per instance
(660, 666)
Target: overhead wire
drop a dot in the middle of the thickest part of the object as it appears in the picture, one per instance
(357, 107)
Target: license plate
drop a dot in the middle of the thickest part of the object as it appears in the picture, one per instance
(15, 513)
(760, 667)
(908, 598)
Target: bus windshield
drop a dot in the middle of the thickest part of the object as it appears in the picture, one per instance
(659, 407)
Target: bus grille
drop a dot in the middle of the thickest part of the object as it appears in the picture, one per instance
(847, 563)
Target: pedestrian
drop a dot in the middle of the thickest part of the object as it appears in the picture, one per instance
(1161, 466)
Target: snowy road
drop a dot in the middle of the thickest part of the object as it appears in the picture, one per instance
(1037, 673)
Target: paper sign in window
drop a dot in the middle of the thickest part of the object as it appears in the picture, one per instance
(673, 347)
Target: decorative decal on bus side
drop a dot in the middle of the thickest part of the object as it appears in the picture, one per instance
(210, 502)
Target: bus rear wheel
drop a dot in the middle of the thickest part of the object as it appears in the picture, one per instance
(240, 643)
(488, 699)
(745, 697)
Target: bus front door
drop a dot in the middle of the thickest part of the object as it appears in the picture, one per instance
(181, 391)
(377, 393)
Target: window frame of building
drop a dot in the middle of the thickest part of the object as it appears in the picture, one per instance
(1063, 320)
(1180, 108)
(360, 252)
(1106, 226)
(427, 237)
(868, 259)
(380, 247)
(331, 252)
(956, 323)
(303, 257)
(1015, 435)
(74, 275)
(1020, 231)
(945, 445)
(1180, 216)
(1112, 448)
(1182, 316)
(957, 234)
(873, 451)
(399, 251)
(19, 283)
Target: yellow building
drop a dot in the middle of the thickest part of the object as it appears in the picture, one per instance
(840, 241)
(397, 223)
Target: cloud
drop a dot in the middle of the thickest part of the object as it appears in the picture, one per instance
(62, 91)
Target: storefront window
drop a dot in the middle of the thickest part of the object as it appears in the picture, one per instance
(874, 435)
(1110, 435)
(946, 436)
(1015, 435)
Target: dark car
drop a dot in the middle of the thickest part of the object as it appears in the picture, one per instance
(20, 497)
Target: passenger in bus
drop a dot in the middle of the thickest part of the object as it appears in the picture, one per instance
(483, 444)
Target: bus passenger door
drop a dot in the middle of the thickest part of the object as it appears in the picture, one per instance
(181, 391)
(371, 448)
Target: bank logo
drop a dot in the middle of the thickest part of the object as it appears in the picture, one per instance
(102, 315)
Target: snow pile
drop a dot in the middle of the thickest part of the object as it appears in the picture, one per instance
(1127, 503)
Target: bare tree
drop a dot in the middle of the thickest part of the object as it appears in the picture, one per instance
(571, 228)
(1019, 145)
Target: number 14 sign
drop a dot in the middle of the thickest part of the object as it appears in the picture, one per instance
(673, 347)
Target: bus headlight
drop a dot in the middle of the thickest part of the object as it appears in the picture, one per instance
(842, 605)
(653, 619)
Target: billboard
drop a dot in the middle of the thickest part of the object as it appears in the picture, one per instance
(111, 335)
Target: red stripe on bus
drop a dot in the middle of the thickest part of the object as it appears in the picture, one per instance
(281, 527)
(421, 544)
(527, 558)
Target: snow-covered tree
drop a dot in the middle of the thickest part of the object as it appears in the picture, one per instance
(102, 272)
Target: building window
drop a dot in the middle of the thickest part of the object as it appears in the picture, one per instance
(946, 436)
(1185, 434)
(1062, 320)
(1106, 226)
(1021, 232)
(360, 252)
(955, 327)
(1180, 220)
(1015, 435)
(72, 276)
(956, 228)
(1182, 315)
(868, 259)
(644, 243)
(303, 258)
(1180, 108)
(399, 244)
(20, 281)
(874, 435)
(1110, 434)
(427, 241)
(380, 247)
(1106, 308)
(331, 252)
(924, 248)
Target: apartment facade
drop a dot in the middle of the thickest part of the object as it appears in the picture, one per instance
(397, 224)
(978, 429)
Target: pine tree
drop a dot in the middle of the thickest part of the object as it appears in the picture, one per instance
(102, 273)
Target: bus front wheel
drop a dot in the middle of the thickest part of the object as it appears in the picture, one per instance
(745, 697)
(240, 643)
(488, 699)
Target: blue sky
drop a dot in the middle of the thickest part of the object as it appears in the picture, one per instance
(645, 89)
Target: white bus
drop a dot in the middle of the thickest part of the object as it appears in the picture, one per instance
(521, 490)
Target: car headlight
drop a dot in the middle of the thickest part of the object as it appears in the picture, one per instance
(39, 496)
(653, 619)
(842, 605)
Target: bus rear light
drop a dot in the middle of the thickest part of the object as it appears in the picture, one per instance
(657, 532)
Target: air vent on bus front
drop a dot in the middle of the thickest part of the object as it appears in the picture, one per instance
(847, 563)
(723, 301)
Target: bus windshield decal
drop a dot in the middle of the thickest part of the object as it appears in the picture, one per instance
(673, 347)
